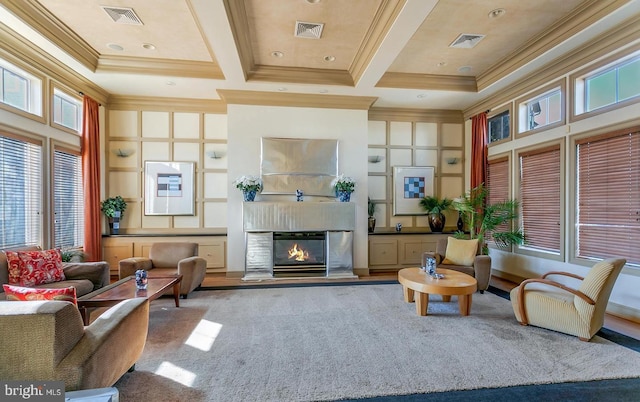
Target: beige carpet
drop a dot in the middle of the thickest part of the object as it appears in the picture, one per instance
(337, 342)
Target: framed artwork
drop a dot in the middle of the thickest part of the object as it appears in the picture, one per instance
(410, 184)
(169, 188)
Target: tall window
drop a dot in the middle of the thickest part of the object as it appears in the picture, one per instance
(20, 192)
(608, 196)
(613, 85)
(68, 199)
(19, 89)
(499, 127)
(498, 185)
(67, 110)
(540, 199)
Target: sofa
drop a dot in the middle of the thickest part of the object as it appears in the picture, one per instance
(47, 341)
(84, 276)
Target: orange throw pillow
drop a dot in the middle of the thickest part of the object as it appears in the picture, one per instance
(19, 293)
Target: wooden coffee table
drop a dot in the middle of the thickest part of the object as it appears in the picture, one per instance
(415, 280)
(125, 288)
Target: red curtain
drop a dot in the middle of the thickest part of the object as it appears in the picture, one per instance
(91, 179)
(478, 149)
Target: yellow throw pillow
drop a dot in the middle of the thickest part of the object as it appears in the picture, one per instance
(460, 252)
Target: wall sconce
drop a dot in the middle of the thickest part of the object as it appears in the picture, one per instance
(452, 161)
(375, 158)
(123, 153)
(215, 154)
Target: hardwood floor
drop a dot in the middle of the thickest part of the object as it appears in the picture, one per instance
(617, 324)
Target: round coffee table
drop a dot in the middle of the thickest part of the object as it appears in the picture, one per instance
(415, 280)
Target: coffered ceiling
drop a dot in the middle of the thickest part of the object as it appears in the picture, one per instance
(396, 51)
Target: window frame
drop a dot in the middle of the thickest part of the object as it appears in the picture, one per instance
(494, 113)
(524, 249)
(522, 118)
(64, 148)
(58, 90)
(36, 110)
(577, 80)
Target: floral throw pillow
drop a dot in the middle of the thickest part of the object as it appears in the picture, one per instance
(19, 293)
(39, 267)
(15, 266)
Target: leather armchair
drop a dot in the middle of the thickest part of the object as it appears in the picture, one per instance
(170, 259)
(481, 268)
(578, 310)
(46, 340)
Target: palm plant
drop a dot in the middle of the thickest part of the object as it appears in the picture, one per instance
(484, 219)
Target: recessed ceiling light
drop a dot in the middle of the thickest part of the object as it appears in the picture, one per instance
(115, 46)
(497, 13)
(329, 58)
(421, 96)
(277, 53)
(149, 46)
(464, 69)
(323, 91)
(442, 64)
(282, 89)
(171, 83)
(313, 1)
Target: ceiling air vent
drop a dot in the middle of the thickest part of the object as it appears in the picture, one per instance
(466, 41)
(310, 30)
(121, 15)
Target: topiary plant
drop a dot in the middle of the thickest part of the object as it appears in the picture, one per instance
(113, 204)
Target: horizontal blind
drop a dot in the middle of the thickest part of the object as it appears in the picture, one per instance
(497, 187)
(68, 200)
(608, 197)
(540, 198)
(21, 192)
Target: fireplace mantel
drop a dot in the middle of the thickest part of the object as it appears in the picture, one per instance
(298, 216)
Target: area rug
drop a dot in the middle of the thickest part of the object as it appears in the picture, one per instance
(350, 342)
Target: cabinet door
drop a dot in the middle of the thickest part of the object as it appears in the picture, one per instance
(214, 253)
(383, 252)
(411, 252)
(116, 252)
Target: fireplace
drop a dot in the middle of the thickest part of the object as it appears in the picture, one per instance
(299, 253)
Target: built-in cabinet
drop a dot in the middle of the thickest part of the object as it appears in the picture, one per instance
(211, 248)
(396, 251)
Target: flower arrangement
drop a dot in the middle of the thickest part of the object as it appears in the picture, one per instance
(344, 183)
(248, 183)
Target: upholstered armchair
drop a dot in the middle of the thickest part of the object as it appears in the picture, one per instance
(46, 340)
(578, 310)
(463, 256)
(170, 259)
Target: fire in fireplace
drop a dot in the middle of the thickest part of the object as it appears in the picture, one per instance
(299, 253)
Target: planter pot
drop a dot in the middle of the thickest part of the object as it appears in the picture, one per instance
(249, 195)
(344, 196)
(372, 224)
(114, 223)
(436, 222)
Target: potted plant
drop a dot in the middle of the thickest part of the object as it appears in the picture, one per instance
(249, 185)
(72, 255)
(493, 219)
(113, 208)
(344, 186)
(435, 208)
(371, 209)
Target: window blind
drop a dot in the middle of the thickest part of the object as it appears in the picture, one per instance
(540, 198)
(497, 187)
(21, 192)
(608, 196)
(68, 199)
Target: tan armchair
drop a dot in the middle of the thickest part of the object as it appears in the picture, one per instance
(46, 340)
(170, 259)
(479, 269)
(577, 311)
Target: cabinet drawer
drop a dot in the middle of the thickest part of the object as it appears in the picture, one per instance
(383, 252)
(412, 253)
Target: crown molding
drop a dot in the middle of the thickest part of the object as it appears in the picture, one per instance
(428, 81)
(152, 103)
(383, 21)
(623, 35)
(580, 19)
(144, 65)
(296, 99)
(39, 18)
(300, 75)
(420, 115)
